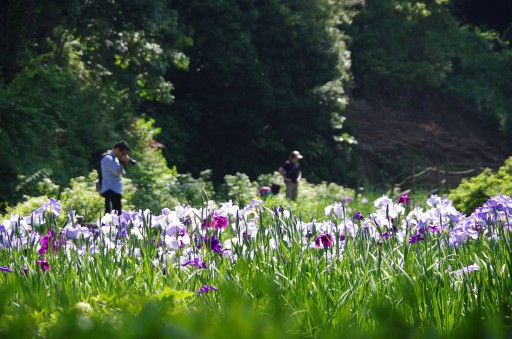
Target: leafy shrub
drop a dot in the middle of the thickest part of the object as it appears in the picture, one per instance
(475, 191)
(151, 176)
(47, 187)
(238, 188)
(270, 178)
(188, 190)
(313, 198)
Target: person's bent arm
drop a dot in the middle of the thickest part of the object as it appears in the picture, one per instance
(112, 166)
(124, 160)
(299, 176)
(120, 170)
(283, 174)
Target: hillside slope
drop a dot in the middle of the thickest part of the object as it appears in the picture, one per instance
(429, 131)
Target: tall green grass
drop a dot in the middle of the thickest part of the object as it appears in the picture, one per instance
(273, 289)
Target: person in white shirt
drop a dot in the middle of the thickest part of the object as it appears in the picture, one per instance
(112, 170)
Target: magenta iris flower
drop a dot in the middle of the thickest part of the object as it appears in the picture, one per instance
(45, 266)
(324, 240)
(404, 199)
(206, 288)
(50, 239)
(44, 245)
(217, 221)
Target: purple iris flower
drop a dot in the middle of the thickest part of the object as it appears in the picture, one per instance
(122, 232)
(125, 216)
(5, 269)
(95, 233)
(358, 216)
(276, 212)
(206, 288)
(346, 200)
(416, 238)
(499, 202)
(198, 241)
(246, 235)
(213, 244)
(467, 269)
(45, 266)
(324, 240)
(404, 199)
(53, 205)
(196, 263)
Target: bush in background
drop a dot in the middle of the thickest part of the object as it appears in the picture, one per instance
(188, 190)
(238, 188)
(473, 192)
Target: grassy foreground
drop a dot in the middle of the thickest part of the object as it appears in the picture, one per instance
(260, 271)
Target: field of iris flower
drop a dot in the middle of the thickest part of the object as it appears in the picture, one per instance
(219, 270)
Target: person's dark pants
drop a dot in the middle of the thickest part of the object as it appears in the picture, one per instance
(112, 201)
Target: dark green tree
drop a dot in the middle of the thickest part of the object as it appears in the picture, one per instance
(403, 50)
(400, 47)
(74, 74)
(265, 77)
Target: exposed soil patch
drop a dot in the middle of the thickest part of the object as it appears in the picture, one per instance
(430, 131)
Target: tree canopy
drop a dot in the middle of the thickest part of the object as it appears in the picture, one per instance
(264, 78)
(232, 86)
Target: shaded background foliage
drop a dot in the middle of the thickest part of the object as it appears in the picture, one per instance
(256, 87)
(402, 49)
(230, 86)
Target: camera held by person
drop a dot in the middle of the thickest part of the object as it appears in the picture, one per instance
(128, 161)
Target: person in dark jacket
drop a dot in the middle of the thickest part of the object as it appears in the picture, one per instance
(291, 173)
